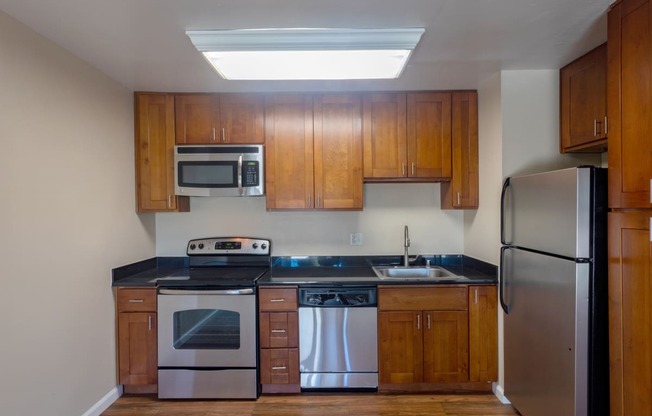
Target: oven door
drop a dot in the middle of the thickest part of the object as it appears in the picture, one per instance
(207, 328)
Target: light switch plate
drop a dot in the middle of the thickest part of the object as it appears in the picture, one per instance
(357, 239)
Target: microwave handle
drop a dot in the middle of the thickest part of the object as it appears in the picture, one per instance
(240, 190)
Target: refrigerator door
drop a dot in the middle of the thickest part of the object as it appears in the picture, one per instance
(549, 212)
(546, 333)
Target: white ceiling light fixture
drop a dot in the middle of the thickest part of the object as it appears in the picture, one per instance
(307, 54)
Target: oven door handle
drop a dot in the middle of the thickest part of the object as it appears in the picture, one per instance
(248, 291)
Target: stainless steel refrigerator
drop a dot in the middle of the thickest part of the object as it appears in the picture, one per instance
(553, 291)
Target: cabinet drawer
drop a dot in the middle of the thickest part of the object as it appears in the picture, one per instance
(279, 330)
(279, 366)
(136, 299)
(278, 299)
(423, 298)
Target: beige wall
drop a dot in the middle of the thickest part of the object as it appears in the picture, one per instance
(67, 218)
(387, 208)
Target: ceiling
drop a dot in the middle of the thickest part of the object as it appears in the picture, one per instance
(142, 43)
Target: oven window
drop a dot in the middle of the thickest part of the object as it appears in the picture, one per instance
(206, 329)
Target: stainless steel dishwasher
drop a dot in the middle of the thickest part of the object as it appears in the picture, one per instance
(338, 343)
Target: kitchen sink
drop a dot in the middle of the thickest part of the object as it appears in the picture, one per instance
(414, 272)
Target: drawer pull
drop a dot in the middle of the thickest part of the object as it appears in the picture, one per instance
(136, 300)
(281, 331)
(281, 367)
(277, 300)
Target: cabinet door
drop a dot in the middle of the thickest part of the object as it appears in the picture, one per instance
(446, 346)
(583, 102)
(630, 312)
(279, 330)
(289, 151)
(400, 347)
(197, 119)
(483, 334)
(279, 366)
(629, 96)
(137, 355)
(155, 154)
(384, 132)
(338, 151)
(242, 118)
(463, 189)
(429, 135)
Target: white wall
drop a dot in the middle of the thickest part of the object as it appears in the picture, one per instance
(67, 217)
(387, 208)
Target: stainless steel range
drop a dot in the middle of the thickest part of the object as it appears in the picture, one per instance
(207, 337)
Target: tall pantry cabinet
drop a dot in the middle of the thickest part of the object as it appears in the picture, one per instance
(629, 102)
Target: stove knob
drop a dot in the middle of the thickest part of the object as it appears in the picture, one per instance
(201, 246)
(263, 246)
(192, 246)
(255, 246)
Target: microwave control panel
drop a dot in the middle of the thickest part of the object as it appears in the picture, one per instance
(250, 173)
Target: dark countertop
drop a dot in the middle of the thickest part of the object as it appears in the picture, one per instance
(317, 270)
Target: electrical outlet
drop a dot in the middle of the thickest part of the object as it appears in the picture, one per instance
(356, 239)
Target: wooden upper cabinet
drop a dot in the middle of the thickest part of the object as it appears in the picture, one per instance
(385, 134)
(338, 151)
(630, 312)
(407, 136)
(289, 151)
(154, 142)
(429, 135)
(583, 103)
(629, 96)
(314, 151)
(462, 192)
(219, 118)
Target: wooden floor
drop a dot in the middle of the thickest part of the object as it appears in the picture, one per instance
(353, 404)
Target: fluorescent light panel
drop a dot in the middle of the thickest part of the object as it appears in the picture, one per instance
(304, 54)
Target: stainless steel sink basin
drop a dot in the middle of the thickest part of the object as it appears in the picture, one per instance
(414, 272)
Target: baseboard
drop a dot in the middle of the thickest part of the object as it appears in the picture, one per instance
(500, 393)
(104, 402)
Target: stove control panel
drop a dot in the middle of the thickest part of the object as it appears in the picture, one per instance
(229, 245)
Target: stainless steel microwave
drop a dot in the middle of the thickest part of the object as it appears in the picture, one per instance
(219, 170)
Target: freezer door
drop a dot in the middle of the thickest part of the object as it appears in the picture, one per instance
(546, 333)
(549, 212)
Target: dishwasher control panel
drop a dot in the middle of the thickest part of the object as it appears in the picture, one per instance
(338, 297)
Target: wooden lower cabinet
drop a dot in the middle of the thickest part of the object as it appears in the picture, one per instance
(630, 312)
(137, 339)
(450, 346)
(279, 339)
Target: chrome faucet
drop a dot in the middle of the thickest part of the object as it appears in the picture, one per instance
(406, 244)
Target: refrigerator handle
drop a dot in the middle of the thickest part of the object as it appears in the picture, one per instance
(502, 211)
(501, 280)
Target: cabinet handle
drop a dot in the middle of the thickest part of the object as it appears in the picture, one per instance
(277, 300)
(136, 300)
(169, 201)
(402, 169)
(213, 134)
(149, 322)
(309, 201)
(412, 168)
(418, 321)
(476, 295)
(458, 199)
(280, 367)
(595, 127)
(278, 331)
(605, 125)
(650, 229)
(650, 191)
(223, 135)
(428, 320)
(318, 201)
